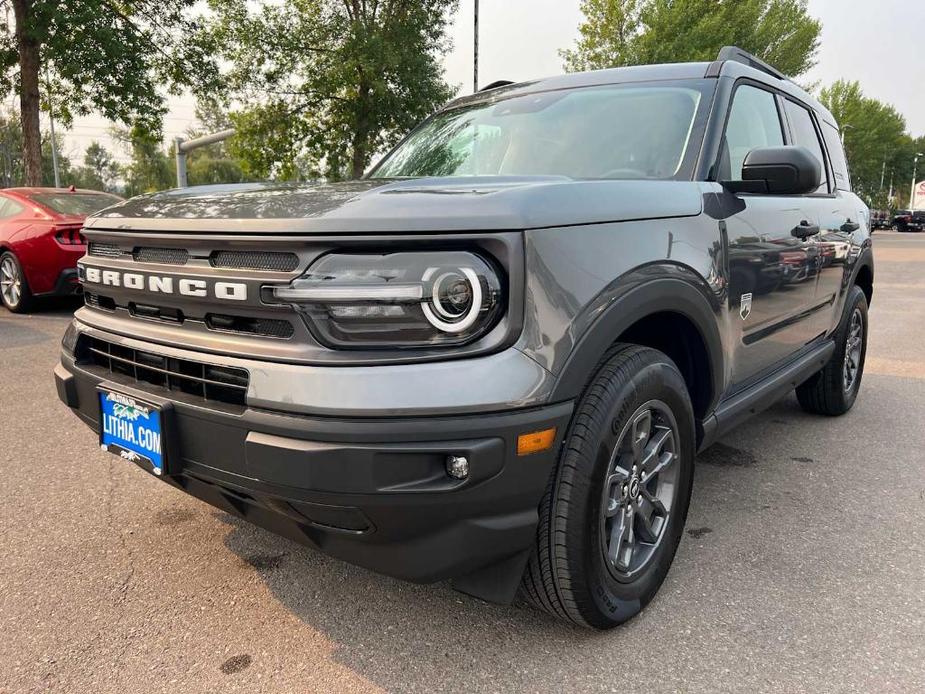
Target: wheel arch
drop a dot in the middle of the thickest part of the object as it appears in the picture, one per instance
(668, 314)
(864, 276)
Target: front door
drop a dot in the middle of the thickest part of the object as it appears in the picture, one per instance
(773, 260)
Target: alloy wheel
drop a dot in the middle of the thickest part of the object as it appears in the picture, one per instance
(10, 282)
(639, 490)
(853, 346)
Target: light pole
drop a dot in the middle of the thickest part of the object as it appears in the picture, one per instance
(54, 142)
(184, 147)
(915, 163)
(475, 51)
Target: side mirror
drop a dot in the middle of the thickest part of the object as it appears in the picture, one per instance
(790, 170)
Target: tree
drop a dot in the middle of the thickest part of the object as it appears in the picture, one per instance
(213, 163)
(637, 32)
(874, 138)
(151, 168)
(11, 159)
(48, 169)
(99, 170)
(326, 84)
(96, 55)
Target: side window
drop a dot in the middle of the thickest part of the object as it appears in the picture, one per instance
(753, 122)
(9, 208)
(837, 156)
(805, 135)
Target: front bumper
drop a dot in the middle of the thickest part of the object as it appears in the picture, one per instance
(369, 490)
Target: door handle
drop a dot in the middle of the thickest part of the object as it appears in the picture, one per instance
(850, 226)
(805, 230)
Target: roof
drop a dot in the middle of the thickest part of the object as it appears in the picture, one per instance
(618, 75)
(731, 64)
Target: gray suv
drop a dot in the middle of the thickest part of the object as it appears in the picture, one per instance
(494, 359)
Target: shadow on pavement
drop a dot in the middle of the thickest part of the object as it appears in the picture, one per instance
(375, 622)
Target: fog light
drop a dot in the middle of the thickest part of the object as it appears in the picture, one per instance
(457, 467)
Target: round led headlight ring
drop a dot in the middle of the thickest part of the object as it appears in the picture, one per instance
(446, 286)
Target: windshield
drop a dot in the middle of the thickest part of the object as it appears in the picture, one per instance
(75, 204)
(639, 131)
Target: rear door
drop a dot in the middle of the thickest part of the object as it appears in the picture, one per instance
(832, 207)
(772, 271)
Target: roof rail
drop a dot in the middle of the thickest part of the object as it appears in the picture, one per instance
(737, 55)
(495, 85)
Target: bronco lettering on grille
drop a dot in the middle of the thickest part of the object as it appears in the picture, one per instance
(160, 284)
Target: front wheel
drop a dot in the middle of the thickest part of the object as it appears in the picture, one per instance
(613, 513)
(833, 390)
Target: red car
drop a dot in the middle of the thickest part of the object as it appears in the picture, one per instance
(40, 241)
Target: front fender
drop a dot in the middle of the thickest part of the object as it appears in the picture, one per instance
(678, 294)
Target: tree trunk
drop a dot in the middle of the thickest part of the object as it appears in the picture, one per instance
(29, 63)
(362, 135)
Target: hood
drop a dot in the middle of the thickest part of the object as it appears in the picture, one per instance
(396, 206)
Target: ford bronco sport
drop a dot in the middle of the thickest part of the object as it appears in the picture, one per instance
(494, 358)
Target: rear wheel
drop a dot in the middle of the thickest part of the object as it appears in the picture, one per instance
(833, 390)
(612, 516)
(14, 290)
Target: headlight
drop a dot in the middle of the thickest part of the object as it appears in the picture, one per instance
(412, 299)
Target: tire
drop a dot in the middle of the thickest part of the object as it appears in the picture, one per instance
(14, 289)
(575, 572)
(829, 391)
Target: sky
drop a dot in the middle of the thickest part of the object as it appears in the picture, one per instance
(878, 43)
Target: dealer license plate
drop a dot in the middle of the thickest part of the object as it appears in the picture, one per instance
(131, 429)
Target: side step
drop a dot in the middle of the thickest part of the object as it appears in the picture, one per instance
(734, 410)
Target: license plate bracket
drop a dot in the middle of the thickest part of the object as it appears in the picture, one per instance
(134, 429)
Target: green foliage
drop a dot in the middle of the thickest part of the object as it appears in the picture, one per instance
(64, 164)
(323, 85)
(214, 163)
(12, 169)
(637, 32)
(151, 168)
(874, 137)
(114, 58)
(99, 171)
(106, 56)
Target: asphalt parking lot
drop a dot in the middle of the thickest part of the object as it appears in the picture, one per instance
(802, 569)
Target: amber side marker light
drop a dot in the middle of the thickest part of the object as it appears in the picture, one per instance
(535, 441)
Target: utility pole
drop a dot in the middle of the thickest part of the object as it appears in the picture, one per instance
(882, 174)
(54, 143)
(475, 56)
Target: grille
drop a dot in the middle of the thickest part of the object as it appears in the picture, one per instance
(265, 327)
(164, 256)
(104, 250)
(255, 260)
(218, 383)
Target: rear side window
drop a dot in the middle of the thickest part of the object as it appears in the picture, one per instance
(77, 204)
(753, 122)
(9, 208)
(837, 156)
(805, 135)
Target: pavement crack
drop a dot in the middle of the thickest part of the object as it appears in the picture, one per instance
(117, 530)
